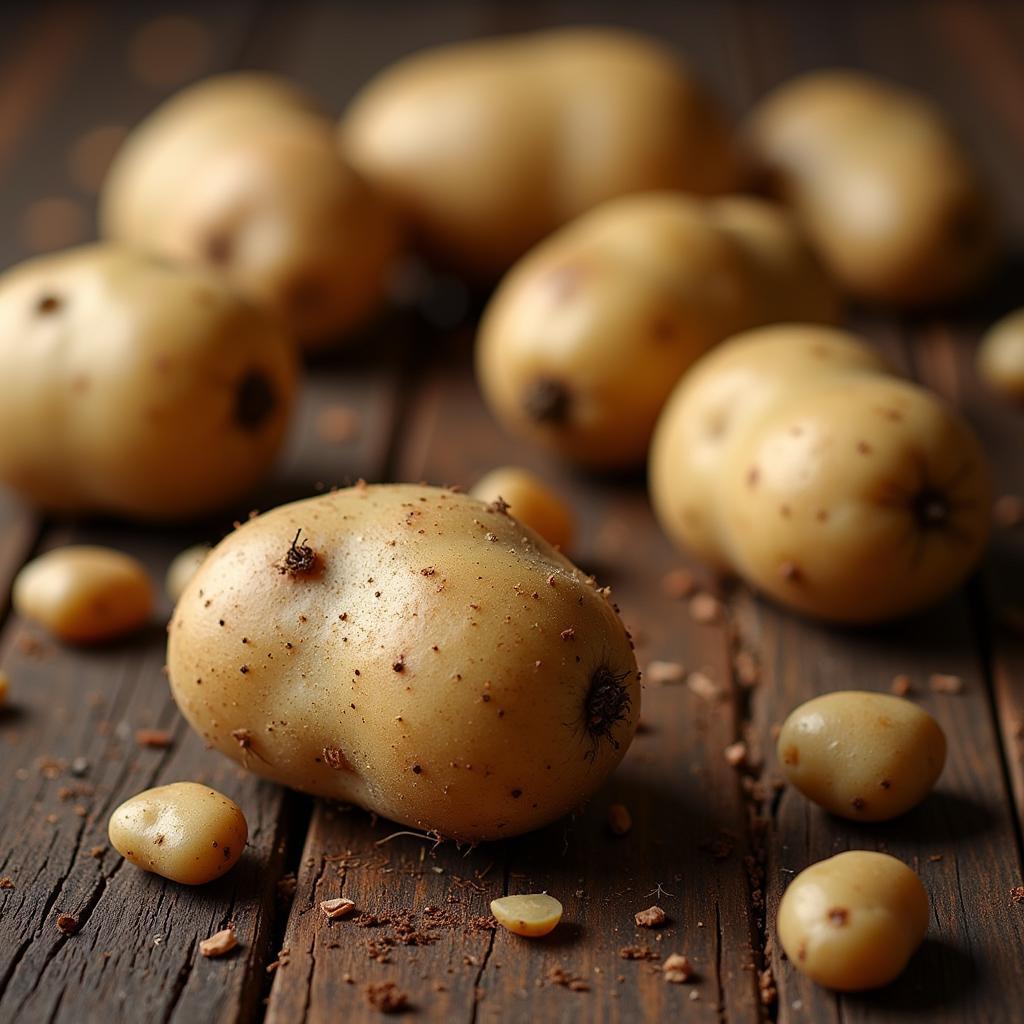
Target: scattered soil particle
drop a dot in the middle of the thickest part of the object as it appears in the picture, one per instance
(337, 908)
(560, 976)
(1017, 894)
(736, 754)
(638, 953)
(386, 997)
(942, 683)
(67, 924)
(704, 687)
(220, 943)
(6, 882)
(652, 917)
(157, 738)
(705, 608)
(900, 685)
(620, 821)
(747, 669)
(677, 969)
(678, 583)
(664, 673)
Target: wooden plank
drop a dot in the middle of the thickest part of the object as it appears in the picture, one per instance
(962, 840)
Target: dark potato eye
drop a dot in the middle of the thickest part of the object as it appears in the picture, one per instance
(48, 303)
(930, 508)
(547, 401)
(254, 400)
(218, 249)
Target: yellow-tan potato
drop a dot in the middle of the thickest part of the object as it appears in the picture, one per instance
(182, 568)
(1001, 357)
(241, 173)
(885, 191)
(5, 688)
(413, 651)
(791, 456)
(853, 921)
(84, 594)
(185, 832)
(531, 501)
(532, 916)
(489, 145)
(134, 387)
(585, 337)
(861, 755)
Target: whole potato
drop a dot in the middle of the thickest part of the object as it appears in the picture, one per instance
(413, 651)
(853, 921)
(885, 191)
(1001, 357)
(134, 387)
(790, 456)
(241, 173)
(489, 145)
(861, 755)
(585, 337)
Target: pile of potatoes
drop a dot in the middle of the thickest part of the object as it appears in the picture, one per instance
(432, 656)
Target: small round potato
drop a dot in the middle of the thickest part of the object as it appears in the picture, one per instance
(861, 755)
(791, 456)
(586, 336)
(411, 650)
(886, 193)
(182, 568)
(241, 173)
(531, 501)
(532, 916)
(853, 921)
(489, 145)
(1001, 357)
(131, 386)
(185, 832)
(84, 594)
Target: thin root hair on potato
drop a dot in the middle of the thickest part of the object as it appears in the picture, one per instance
(299, 559)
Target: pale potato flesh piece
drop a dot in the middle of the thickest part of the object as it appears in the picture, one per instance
(184, 831)
(586, 336)
(832, 486)
(134, 387)
(1000, 357)
(411, 650)
(84, 594)
(532, 915)
(885, 191)
(852, 922)
(489, 145)
(864, 756)
(531, 501)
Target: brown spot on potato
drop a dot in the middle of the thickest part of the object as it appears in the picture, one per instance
(753, 476)
(48, 303)
(255, 400)
(858, 803)
(334, 758)
(839, 916)
(548, 401)
(864, 448)
(218, 249)
(791, 572)
(791, 756)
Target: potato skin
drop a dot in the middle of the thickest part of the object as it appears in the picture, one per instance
(489, 145)
(241, 173)
(531, 501)
(585, 337)
(1000, 357)
(791, 457)
(133, 387)
(852, 922)
(883, 188)
(861, 755)
(438, 663)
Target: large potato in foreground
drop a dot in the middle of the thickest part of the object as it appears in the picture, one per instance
(134, 387)
(411, 650)
(489, 145)
(791, 456)
(885, 191)
(241, 173)
(586, 336)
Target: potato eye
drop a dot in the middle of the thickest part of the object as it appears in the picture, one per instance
(547, 401)
(930, 509)
(254, 400)
(218, 249)
(606, 704)
(48, 303)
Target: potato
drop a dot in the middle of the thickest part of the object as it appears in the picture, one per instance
(241, 173)
(531, 501)
(853, 921)
(410, 650)
(887, 194)
(1001, 357)
(134, 387)
(584, 339)
(84, 594)
(489, 145)
(182, 568)
(185, 832)
(532, 915)
(790, 456)
(861, 755)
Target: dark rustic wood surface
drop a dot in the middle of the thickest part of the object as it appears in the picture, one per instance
(715, 847)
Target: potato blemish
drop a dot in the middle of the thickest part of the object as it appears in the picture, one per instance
(547, 401)
(300, 560)
(255, 400)
(606, 704)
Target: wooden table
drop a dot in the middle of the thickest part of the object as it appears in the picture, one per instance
(712, 845)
